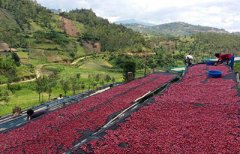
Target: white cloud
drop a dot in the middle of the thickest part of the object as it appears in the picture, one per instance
(217, 13)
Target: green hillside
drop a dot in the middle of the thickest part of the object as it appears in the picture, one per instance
(45, 37)
(37, 24)
(111, 36)
(9, 29)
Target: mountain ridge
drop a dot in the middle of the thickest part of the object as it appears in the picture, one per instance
(133, 21)
(174, 29)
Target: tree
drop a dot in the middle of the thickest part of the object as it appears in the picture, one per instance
(102, 82)
(89, 81)
(97, 77)
(107, 78)
(8, 68)
(13, 87)
(11, 73)
(41, 86)
(94, 84)
(112, 37)
(4, 96)
(78, 75)
(16, 58)
(50, 84)
(152, 63)
(22, 12)
(113, 80)
(74, 85)
(83, 86)
(65, 86)
(128, 66)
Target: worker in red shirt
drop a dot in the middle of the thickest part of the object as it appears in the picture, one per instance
(225, 58)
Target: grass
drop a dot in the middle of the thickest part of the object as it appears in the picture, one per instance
(38, 55)
(96, 65)
(24, 71)
(35, 27)
(27, 97)
(80, 51)
(48, 46)
(56, 24)
(23, 98)
(22, 55)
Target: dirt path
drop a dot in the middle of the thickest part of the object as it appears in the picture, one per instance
(25, 81)
(77, 60)
(38, 70)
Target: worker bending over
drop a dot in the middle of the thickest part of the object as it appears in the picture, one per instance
(225, 59)
(31, 114)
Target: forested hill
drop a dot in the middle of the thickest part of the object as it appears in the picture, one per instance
(174, 29)
(236, 33)
(24, 23)
(111, 36)
(8, 27)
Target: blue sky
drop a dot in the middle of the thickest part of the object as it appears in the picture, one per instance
(216, 13)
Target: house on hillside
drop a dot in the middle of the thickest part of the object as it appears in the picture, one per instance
(4, 47)
(13, 50)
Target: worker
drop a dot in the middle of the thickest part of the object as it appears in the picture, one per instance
(225, 58)
(31, 114)
(60, 96)
(188, 60)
